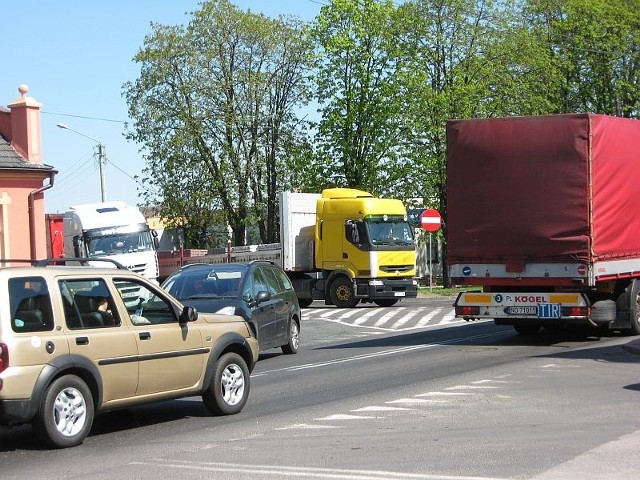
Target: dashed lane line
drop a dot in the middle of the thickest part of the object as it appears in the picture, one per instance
(283, 471)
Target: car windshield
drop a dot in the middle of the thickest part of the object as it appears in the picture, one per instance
(120, 243)
(222, 282)
(392, 231)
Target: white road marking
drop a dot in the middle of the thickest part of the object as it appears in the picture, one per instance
(368, 317)
(404, 319)
(282, 471)
(470, 387)
(491, 381)
(416, 400)
(443, 394)
(341, 416)
(376, 408)
(305, 426)
(428, 317)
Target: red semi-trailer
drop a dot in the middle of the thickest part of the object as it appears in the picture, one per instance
(543, 213)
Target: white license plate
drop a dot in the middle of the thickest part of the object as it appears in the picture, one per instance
(522, 310)
(398, 294)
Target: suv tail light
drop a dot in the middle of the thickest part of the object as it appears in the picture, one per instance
(4, 357)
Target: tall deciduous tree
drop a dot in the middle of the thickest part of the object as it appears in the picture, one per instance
(594, 46)
(357, 93)
(214, 108)
(449, 70)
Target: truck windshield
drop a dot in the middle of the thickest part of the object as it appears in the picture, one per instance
(395, 230)
(119, 243)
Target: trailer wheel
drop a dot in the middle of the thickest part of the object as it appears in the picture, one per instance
(628, 304)
(341, 293)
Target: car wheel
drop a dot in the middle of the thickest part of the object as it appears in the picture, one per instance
(294, 338)
(229, 390)
(66, 412)
(341, 293)
(386, 302)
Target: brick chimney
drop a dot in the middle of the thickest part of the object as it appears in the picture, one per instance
(25, 135)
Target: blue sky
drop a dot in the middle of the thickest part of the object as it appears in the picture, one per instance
(75, 55)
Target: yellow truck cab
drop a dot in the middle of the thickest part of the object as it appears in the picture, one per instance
(365, 247)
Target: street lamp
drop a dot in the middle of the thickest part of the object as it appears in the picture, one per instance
(101, 159)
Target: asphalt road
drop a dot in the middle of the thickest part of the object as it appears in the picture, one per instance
(444, 400)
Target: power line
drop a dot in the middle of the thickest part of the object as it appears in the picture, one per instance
(83, 117)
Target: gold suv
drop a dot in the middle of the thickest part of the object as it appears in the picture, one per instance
(78, 341)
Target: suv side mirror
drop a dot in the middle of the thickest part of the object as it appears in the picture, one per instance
(263, 296)
(189, 314)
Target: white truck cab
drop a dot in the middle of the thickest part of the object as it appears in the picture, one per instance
(113, 230)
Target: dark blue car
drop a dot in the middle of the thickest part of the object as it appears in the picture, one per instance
(259, 291)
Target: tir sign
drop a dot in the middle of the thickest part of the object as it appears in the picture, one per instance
(430, 220)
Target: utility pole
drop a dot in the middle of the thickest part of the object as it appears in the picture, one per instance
(101, 159)
(101, 165)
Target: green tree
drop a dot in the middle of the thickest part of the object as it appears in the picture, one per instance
(451, 68)
(594, 46)
(215, 109)
(357, 93)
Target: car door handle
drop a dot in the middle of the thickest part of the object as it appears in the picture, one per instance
(82, 340)
(145, 335)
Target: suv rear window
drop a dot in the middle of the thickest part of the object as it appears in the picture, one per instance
(30, 305)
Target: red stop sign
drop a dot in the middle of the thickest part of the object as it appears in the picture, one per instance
(430, 220)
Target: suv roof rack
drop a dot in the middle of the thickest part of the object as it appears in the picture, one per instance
(81, 260)
(270, 262)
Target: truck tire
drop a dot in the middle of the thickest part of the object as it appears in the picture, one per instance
(628, 305)
(386, 302)
(292, 345)
(229, 390)
(66, 413)
(305, 302)
(341, 293)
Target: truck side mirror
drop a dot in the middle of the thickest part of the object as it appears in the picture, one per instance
(156, 242)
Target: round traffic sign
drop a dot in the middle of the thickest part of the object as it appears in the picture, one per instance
(430, 220)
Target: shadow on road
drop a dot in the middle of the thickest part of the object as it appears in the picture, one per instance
(21, 438)
(486, 335)
(473, 334)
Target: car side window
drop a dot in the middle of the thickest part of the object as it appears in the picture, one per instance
(30, 305)
(259, 282)
(88, 303)
(247, 289)
(270, 276)
(284, 280)
(144, 305)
